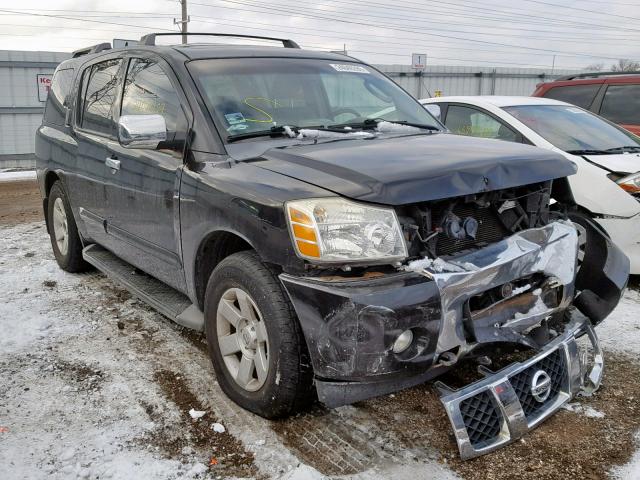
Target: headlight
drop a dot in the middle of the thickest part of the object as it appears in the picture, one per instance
(630, 183)
(334, 230)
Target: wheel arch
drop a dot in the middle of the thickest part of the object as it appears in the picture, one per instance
(50, 178)
(215, 247)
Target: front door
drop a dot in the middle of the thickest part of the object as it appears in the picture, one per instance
(143, 186)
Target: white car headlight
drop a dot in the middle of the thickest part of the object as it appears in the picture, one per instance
(630, 183)
(334, 230)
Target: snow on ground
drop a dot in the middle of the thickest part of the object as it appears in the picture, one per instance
(80, 396)
(620, 332)
(9, 176)
(630, 471)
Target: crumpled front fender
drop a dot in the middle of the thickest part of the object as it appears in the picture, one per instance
(603, 274)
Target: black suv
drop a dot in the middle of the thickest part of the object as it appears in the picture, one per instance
(324, 230)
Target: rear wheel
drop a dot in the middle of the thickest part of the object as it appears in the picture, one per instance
(254, 338)
(63, 231)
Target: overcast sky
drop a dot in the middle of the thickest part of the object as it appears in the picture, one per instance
(508, 33)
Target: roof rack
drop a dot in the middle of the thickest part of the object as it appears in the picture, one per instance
(150, 39)
(595, 75)
(92, 49)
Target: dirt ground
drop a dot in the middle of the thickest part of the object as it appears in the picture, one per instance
(94, 384)
(20, 202)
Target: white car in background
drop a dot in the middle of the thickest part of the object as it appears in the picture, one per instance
(607, 184)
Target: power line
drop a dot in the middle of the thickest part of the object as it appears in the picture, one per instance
(492, 18)
(72, 11)
(400, 29)
(518, 14)
(271, 32)
(86, 20)
(573, 7)
(296, 30)
(430, 22)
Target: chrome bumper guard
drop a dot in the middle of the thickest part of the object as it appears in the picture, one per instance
(505, 405)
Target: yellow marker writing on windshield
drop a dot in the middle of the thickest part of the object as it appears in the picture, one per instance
(269, 117)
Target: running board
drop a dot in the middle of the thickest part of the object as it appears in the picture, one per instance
(160, 296)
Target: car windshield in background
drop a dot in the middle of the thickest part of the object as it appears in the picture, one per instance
(249, 95)
(575, 130)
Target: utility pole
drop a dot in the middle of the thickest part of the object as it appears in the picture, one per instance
(553, 65)
(183, 23)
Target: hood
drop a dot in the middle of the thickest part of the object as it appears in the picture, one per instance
(401, 170)
(620, 162)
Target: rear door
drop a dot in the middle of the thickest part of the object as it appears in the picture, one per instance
(93, 128)
(142, 193)
(621, 105)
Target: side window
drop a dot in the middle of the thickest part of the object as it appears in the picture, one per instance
(579, 95)
(57, 99)
(474, 123)
(621, 104)
(147, 91)
(99, 96)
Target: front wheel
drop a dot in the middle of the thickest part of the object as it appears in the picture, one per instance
(254, 338)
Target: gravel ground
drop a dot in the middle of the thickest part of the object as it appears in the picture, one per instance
(94, 384)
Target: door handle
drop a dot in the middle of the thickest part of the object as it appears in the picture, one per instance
(112, 163)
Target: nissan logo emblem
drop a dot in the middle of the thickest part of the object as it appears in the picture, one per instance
(541, 386)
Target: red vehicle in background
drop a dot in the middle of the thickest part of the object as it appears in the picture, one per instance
(612, 95)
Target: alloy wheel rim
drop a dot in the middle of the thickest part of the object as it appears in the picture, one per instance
(60, 226)
(243, 339)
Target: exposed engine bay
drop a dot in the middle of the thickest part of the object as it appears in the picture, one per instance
(451, 226)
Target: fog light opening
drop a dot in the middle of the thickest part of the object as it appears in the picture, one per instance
(404, 341)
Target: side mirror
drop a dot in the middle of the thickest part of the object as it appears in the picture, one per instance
(434, 110)
(142, 131)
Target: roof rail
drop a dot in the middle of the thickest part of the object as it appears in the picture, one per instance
(595, 75)
(92, 49)
(150, 39)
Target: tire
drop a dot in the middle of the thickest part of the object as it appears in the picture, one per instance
(62, 224)
(278, 344)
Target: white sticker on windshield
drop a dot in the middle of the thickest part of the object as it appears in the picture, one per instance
(341, 67)
(234, 118)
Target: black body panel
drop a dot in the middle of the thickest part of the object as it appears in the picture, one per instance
(400, 170)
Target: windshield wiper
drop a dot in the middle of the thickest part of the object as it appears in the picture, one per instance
(278, 131)
(626, 148)
(272, 132)
(376, 121)
(372, 123)
(588, 152)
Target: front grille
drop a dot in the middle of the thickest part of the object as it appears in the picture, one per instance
(490, 229)
(554, 365)
(482, 419)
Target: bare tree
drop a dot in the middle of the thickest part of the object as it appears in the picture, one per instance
(595, 67)
(625, 65)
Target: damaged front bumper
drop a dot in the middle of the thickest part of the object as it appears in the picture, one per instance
(350, 325)
(504, 406)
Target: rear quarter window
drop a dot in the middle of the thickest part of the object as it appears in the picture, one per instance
(57, 99)
(579, 95)
(621, 104)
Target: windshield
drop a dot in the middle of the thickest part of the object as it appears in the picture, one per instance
(573, 129)
(248, 95)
